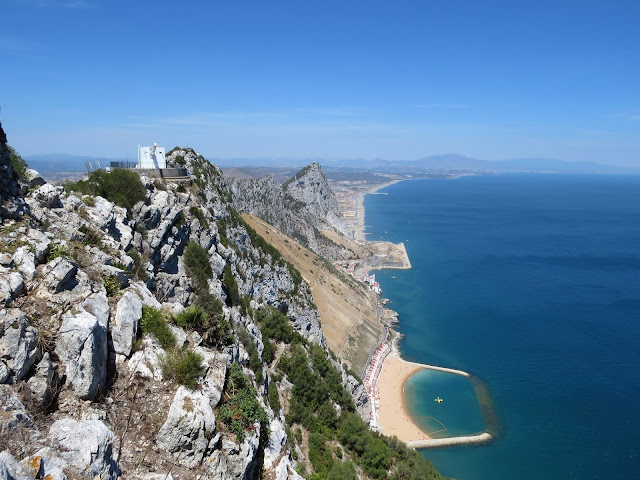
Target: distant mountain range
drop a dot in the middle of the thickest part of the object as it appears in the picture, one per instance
(51, 164)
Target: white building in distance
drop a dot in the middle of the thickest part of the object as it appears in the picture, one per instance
(152, 157)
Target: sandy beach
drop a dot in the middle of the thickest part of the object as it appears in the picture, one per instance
(394, 419)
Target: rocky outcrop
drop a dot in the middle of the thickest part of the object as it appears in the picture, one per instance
(82, 347)
(18, 344)
(189, 427)
(75, 277)
(125, 325)
(85, 447)
(301, 207)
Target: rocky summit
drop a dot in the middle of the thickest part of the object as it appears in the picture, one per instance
(302, 208)
(146, 331)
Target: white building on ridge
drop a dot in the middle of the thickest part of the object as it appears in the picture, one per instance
(151, 157)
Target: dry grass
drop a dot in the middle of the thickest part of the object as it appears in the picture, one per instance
(347, 309)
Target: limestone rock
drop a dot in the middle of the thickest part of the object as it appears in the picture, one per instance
(359, 395)
(82, 347)
(25, 262)
(285, 471)
(48, 196)
(32, 178)
(277, 441)
(127, 318)
(231, 460)
(18, 342)
(10, 468)
(86, 446)
(213, 382)
(145, 294)
(11, 286)
(13, 414)
(43, 382)
(46, 464)
(146, 361)
(58, 273)
(189, 426)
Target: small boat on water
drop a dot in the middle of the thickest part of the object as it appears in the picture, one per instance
(438, 399)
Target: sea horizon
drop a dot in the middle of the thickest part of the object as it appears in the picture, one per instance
(531, 283)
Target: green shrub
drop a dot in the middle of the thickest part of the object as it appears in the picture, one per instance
(274, 398)
(209, 322)
(230, 287)
(89, 201)
(111, 285)
(275, 325)
(153, 322)
(196, 212)
(137, 270)
(191, 317)
(120, 186)
(197, 260)
(17, 163)
(57, 250)
(91, 237)
(239, 407)
(183, 366)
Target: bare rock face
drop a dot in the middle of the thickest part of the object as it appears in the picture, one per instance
(125, 327)
(11, 286)
(58, 273)
(86, 447)
(42, 384)
(18, 343)
(189, 427)
(301, 207)
(82, 347)
(146, 361)
(233, 460)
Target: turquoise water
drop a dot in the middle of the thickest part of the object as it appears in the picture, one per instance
(532, 283)
(457, 414)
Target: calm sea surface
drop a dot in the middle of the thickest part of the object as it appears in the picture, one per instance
(532, 283)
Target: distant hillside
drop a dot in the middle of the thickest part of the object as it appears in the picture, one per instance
(51, 166)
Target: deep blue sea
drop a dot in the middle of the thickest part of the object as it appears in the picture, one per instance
(532, 283)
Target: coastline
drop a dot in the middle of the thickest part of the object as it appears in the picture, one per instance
(389, 377)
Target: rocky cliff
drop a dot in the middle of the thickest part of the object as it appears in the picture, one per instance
(301, 207)
(166, 340)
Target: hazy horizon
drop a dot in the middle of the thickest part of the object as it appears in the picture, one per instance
(367, 80)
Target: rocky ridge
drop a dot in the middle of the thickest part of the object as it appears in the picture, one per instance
(165, 341)
(71, 381)
(301, 207)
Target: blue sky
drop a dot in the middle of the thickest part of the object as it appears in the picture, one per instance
(334, 79)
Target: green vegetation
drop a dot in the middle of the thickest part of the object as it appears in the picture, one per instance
(120, 186)
(209, 323)
(255, 363)
(111, 285)
(18, 163)
(275, 325)
(239, 408)
(274, 398)
(91, 237)
(230, 287)
(137, 270)
(183, 366)
(316, 385)
(196, 212)
(57, 250)
(197, 260)
(153, 322)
